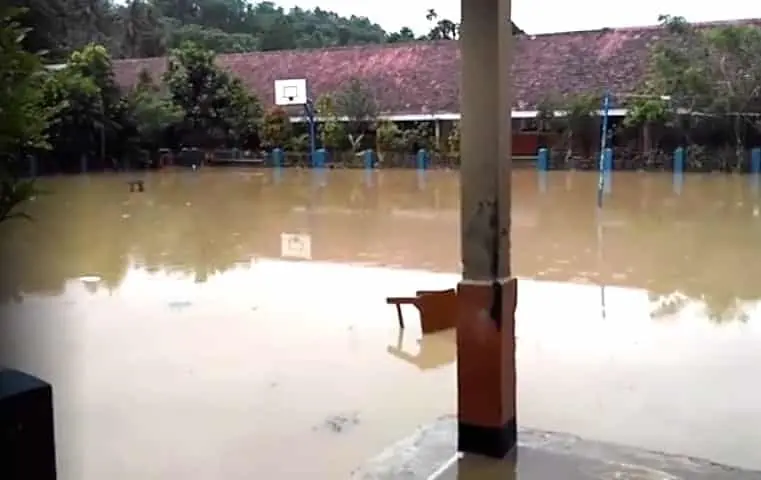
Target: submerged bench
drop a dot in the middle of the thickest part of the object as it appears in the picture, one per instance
(438, 309)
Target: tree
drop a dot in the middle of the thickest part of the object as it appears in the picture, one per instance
(405, 34)
(216, 107)
(276, 128)
(357, 103)
(576, 117)
(648, 112)
(442, 29)
(43, 18)
(388, 138)
(76, 128)
(420, 136)
(211, 38)
(93, 117)
(712, 73)
(23, 116)
(152, 110)
(332, 131)
(143, 32)
(147, 28)
(445, 29)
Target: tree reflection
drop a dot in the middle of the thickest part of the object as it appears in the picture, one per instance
(202, 224)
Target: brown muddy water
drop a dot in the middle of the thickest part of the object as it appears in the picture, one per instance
(231, 324)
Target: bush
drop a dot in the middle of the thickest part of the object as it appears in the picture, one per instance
(276, 128)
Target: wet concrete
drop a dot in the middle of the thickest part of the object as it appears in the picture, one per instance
(174, 318)
(429, 454)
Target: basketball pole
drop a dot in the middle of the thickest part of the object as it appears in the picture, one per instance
(603, 146)
(309, 110)
(293, 92)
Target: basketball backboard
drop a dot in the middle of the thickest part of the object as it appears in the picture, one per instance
(291, 92)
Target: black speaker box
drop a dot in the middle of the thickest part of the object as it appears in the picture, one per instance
(27, 442)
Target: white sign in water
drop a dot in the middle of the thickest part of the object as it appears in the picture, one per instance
(296, 245)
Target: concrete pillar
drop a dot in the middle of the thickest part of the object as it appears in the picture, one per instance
(487, 292)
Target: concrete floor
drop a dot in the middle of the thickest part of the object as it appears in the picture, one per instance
(430, 454)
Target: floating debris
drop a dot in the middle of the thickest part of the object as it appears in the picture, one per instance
(340, 423)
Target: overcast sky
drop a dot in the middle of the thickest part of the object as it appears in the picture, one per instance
(541, 16)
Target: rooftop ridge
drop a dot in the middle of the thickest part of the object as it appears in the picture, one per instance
(639, 28)
(434, 43)
(421, 77)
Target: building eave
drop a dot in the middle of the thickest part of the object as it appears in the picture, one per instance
(450, 116)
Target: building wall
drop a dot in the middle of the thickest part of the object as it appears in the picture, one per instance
(525, 144)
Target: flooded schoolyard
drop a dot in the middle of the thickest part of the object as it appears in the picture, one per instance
(232, 323)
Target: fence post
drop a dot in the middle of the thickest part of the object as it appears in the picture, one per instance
(319, 158)
(543, 160)
(755, 161)
(369, 158)
(679, 160)
(421, 160)
(277, 157)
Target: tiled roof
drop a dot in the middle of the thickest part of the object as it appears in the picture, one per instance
(424, 77)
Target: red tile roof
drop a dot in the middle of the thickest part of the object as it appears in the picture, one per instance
(424, 77)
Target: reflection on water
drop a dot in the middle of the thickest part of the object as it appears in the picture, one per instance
(434, 350)
(698, 245)
(177, 303)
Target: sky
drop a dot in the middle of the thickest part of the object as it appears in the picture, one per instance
(532, 16)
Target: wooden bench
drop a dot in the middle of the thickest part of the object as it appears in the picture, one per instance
(438, 309)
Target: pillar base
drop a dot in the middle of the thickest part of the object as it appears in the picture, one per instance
(486, 369)
(494, 442)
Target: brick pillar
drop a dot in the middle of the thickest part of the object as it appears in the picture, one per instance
(487, 292)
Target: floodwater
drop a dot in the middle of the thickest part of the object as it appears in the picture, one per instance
(232, 323)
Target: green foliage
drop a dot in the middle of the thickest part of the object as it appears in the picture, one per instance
(710, 70)
(210, 38)
(23, 121)
(445, 29)
(713, 74)
(332, 131)
(298, 143)
(152, 28)
(420, 136)
(23, 116)
(91, 111)
(577, 112)
(576, 117)
(357, 103)
(149, 28)
(215, 105)
(276, 128)
(647, 110)
(152, 110)
(388, 137)
(81, 107)
(405, 34)
(442, 29)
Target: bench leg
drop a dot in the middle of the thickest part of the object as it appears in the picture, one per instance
(399, 315)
